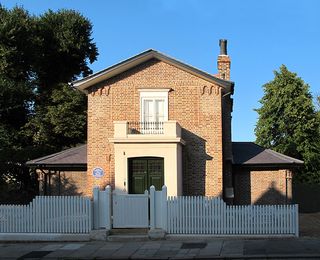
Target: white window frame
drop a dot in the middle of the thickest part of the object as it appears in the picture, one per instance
(154, 94)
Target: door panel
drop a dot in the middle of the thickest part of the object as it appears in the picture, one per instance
(138, 184)
(138, 176)
(155, 173)
(156, 181)
(144, 172)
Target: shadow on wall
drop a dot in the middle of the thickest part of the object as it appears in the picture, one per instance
(272, 196)
(266, 193)
(194, 164)
(61, 184)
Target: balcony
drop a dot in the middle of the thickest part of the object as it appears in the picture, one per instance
(147, 132)
(145, 128)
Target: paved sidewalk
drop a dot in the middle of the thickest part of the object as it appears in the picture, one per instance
(199, 249)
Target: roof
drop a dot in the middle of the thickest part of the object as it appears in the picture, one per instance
(83, 84)
(245, 154)
(75, 157)
(251, 154)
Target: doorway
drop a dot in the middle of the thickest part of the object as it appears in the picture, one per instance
(144, 172)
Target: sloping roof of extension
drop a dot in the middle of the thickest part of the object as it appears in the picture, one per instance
(83, 84)
(249, 154)
(245, 154)
(72, 158)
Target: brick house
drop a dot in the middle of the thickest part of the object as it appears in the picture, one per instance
(153, 120)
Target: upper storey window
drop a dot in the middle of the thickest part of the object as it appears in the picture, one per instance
(153, 108)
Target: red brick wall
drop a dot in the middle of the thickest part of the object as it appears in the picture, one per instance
(193, 102)
(69, 183)
(262, 186)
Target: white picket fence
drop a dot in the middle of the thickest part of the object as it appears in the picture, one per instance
(194, 215)
(175, 215)
(54, 214)
(208, 215)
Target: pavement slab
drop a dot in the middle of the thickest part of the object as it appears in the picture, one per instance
(284, 247)
(207, 249)
(151, 245)
(125, 251)
(103, 254)
(213, 248)
(112, 245)
(71, 246)
(59, 254)
(144, 253)
(258, 247)
(232, 248)
(87, 250)
(14, 251)
(50, 247)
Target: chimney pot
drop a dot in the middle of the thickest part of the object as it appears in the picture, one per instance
(223, 46)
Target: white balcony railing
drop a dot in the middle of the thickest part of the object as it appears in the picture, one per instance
(145, 128)
(146, 131)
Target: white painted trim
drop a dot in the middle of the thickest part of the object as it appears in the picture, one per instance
(168, 151)
(154, 94)
(154, 89)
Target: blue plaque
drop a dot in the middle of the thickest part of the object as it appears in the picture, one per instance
(97, 172)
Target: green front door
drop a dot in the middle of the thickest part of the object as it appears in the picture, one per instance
(144, 172)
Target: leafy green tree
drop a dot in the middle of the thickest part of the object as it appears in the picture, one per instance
(17, 43)
(42, 54)
(63, 121)
(288, 122)
(39, 112)
(65, 45)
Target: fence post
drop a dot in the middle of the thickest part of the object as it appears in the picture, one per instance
(108, 207)
(297, 220)
(152, 207)
(164, 207)
(96, 208)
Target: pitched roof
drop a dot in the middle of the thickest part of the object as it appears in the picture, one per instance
(246, 154)
(251, 154)
(75, 157)
(83, 84)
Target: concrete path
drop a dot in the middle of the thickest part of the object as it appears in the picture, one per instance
(198, 249)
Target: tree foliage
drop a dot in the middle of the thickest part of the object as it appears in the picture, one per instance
(288, 122)
(39, 112)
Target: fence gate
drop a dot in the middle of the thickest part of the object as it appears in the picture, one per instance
(131, 210)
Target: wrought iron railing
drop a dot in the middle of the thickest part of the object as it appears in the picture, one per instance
(145, 127)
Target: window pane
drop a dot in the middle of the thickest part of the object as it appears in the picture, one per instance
(159, 110)
(148, 110)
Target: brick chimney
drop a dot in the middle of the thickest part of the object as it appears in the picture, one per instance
(224, 62)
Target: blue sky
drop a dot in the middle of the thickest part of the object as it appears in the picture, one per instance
(261, 36)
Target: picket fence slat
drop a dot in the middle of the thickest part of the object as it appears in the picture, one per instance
(207, 215)
(55, 214)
